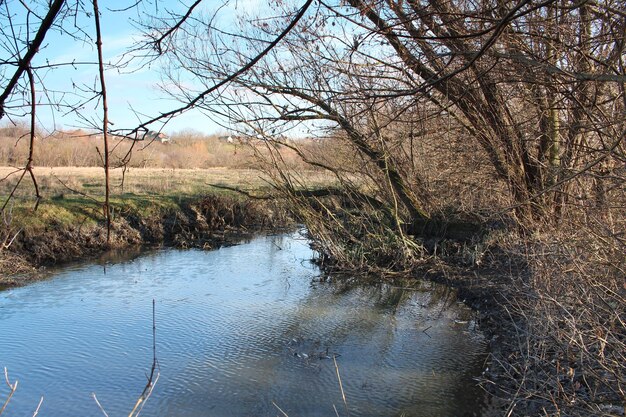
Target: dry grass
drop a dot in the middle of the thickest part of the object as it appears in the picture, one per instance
(90, 180)
(184, 150)
(62, 181)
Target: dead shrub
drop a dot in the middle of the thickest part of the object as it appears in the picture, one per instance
(569, 352)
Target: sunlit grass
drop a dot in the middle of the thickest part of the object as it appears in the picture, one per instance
(75, 195)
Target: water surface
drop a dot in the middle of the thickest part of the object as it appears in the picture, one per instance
(239, 329)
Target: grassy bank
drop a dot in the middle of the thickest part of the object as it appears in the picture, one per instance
(149, 206)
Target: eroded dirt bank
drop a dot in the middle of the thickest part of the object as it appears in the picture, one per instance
(207, 222)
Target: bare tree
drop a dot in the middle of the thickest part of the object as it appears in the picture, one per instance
(538, 85)
(20, 57)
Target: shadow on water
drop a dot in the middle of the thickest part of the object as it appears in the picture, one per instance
(239, 329)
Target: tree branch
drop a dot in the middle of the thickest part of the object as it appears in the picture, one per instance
(33, 48)
(192, 103)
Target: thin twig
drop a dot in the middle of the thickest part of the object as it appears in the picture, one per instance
(74, 190)
(240, 191)
(280, 409)
(38, 407)
(343, 394)
(12, 388)
(93, 394)
(154, 377)
(200, 97)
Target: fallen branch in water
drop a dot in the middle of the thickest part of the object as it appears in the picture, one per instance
(343, 394)
(93, 394)
(152, 378)
(280, 409)
(12, 388)
(38, 407)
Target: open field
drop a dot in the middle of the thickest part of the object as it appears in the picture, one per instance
(63, 181)
(184, 150)
(71, 194)
(139, 181)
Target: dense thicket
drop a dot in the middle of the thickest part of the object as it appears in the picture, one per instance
(524, 99)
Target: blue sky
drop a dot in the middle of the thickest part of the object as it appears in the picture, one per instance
(131, 88)
(135, 92)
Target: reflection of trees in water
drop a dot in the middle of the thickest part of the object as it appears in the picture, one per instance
(338, 313)
(423, 294)
(116, 256)
(377, 329)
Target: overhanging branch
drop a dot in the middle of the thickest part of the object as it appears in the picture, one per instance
(33, 48)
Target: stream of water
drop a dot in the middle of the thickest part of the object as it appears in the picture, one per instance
(241, 331)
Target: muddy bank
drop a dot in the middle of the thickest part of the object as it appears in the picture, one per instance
(541, 362)
(207, 222)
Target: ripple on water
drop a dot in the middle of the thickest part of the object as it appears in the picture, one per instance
(237, 329)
